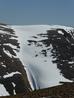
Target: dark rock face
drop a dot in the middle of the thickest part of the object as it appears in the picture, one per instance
(9, 62)
(62, 51)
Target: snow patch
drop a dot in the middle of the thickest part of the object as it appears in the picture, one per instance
(11, 74)
(3, 91)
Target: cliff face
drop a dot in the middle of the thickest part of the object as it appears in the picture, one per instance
(12, 74)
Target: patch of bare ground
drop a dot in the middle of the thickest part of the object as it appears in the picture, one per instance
(9, 63)
(62, 91)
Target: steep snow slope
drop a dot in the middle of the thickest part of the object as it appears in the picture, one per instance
(42, 54)
(37, 56)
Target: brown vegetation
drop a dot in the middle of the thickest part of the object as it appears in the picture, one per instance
(62, 91)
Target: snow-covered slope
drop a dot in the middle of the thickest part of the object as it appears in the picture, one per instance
(36, 54)
(42, 54)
